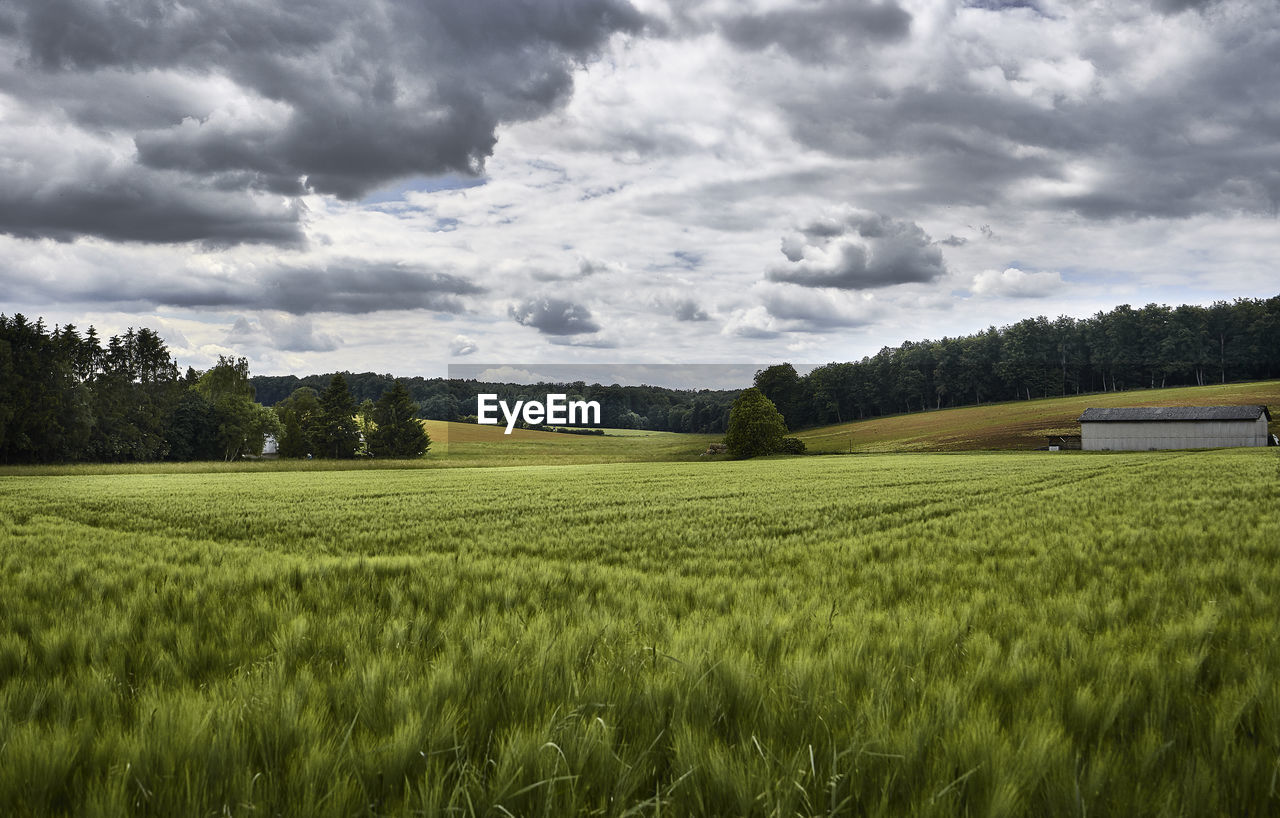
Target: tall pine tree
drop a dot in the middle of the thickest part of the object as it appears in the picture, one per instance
(397, 432)
(337, 435)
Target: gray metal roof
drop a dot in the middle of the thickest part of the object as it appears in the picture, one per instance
(1173, 413)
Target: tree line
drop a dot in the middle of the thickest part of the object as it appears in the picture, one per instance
(621, 407)
(1126, 348)
(68, 396)
(330, 424)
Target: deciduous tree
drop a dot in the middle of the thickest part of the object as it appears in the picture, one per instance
(756, 426)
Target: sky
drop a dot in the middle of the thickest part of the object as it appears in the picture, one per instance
(404, 185)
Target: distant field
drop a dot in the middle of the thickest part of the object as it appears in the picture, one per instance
(936, 635)
(473, 444)
(1018, 425)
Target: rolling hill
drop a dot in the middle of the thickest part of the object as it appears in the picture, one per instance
(1016, 425)
(472, 444)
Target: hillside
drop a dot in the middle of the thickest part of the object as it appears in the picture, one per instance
(472, 444)
(1015, 425)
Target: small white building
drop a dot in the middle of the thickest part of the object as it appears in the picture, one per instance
(1144, 428)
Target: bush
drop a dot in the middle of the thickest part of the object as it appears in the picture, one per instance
(755, 426)
(792, 445)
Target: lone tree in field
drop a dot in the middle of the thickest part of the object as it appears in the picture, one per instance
(755, 426)
(397, 432)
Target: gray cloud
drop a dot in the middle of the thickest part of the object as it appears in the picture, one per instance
(1015, 283)
(97, 199)
(816, 31)
(462, 345)
(753, 322)
(364, 287)
(283, 332)
(352, 287)
(586, 267)
(1003, 127)
(687, 309)
(810, 311)
(328, 96)
(1179, 6)
(589, 342)
(1001, 5)
(857, 251)
(554, 316)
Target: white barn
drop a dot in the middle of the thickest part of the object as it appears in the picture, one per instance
(1173, 427)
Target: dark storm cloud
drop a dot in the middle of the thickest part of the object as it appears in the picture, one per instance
(335, 97)
(1197, 141)
(363, 288)
(554, 316)
(352, 288)
(120, 205)
(859, 251)
(959, 145)
(815, 31)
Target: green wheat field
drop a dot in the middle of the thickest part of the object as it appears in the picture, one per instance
(936, 635)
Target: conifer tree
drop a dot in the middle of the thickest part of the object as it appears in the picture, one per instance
(337, 434)
(397, 432)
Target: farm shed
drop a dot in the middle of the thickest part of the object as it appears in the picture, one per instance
(1173, 427)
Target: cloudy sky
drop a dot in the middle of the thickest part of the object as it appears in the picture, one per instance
(397, 185)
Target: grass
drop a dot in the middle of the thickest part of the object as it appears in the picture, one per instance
(938, 635)
(1016, 425)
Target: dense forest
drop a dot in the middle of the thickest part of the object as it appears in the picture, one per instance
(1147, 348)
(68, 396)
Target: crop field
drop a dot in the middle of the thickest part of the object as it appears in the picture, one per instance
(468, 444)
(936, 635)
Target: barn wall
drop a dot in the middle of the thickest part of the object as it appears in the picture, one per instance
(1141, 436)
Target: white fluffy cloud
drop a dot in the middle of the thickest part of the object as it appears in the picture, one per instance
(1015, 283)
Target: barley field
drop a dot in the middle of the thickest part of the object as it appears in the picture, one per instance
(937, 635)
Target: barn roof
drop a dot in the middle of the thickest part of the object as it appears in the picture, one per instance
(1173, 413)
